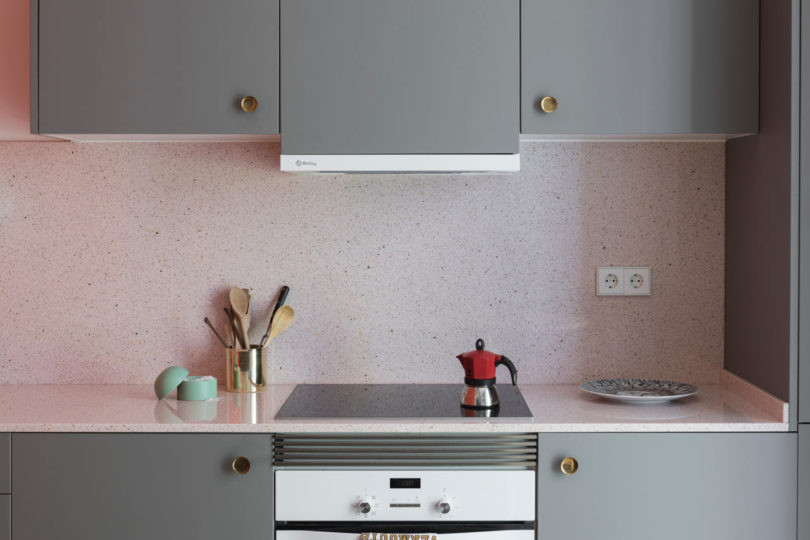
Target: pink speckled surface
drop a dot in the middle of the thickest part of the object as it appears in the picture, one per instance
(114, 253)
(555, 408)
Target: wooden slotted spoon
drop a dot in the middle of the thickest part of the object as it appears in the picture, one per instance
(239, 307)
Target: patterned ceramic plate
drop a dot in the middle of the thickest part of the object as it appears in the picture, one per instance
(639, 390)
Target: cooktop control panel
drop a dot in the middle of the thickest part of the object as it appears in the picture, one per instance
(406, 495)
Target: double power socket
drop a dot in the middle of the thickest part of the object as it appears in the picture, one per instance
(622, 281)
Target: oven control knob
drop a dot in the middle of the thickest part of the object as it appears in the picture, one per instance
(364, 507)
(443, 506)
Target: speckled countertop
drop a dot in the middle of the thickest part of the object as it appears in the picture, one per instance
(556, 408)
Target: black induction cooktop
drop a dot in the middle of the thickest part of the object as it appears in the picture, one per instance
(395, 401)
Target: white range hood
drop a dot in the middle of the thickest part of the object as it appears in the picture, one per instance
(401, 163)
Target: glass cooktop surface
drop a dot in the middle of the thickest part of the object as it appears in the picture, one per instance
(395, 401)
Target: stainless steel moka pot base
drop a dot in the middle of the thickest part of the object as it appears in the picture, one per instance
(479, 397)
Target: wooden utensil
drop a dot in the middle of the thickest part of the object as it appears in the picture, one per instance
(229, 336)
(282, 297)
(208, 322)
(234, 327)
(281, 320)
(239, 307)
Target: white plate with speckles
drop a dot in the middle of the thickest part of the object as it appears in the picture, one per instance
(639, 390)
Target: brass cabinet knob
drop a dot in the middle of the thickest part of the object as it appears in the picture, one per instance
(548, 104)
(249, 103)
(241, 465)
(569, 466)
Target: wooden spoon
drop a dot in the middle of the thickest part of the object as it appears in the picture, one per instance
(281, 320)
(239, 308)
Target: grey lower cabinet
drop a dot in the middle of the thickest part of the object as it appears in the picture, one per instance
(154, 66)
(701, 486)
(5, 517)
(5, 463)
(623, 67)
(804, 482)
(400, 77)
(138, 486)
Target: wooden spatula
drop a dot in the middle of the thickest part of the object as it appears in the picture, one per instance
(281, 320)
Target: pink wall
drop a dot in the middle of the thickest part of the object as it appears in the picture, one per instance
(114, 253)
(14, 70)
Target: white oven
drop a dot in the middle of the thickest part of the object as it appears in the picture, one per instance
(412, 487)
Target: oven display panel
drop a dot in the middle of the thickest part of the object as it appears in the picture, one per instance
(405, 483)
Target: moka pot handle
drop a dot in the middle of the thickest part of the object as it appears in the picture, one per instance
(508, 363)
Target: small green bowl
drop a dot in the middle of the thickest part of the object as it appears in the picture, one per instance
(169, 379)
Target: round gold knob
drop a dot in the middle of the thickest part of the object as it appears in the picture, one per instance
(548, 104)
(249, 103)
(569, 466)
(241, 465)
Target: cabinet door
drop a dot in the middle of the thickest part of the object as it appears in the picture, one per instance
(394, 77)
(157, 66)
(804, 482)
(5, 517)
(668, 486)
(804, 220)
(137, 486)
(620, 67)
(5, 463)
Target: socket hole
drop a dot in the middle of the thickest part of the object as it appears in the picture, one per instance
(636, 281)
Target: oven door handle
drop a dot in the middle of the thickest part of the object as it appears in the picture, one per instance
(405, 531)
(366, 535)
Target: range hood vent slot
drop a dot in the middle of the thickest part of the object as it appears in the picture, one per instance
(446, 451)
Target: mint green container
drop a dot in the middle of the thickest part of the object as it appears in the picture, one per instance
(188, 388)
(197, 389)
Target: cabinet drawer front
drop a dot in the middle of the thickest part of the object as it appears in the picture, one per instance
(627, 67)
(157, 66)
(5, 463)
(394, 77)
(668, 486)
(137, 486)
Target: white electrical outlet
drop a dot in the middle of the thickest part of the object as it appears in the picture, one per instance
(637, 281)
(622, 281)
(609, 281)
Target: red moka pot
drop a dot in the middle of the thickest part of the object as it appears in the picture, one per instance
(479, 377)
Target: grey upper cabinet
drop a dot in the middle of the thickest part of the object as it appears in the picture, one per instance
(804, 220)
(137, 486)
(154, 66)
(700, 486)
(395, 77)
(624, 67)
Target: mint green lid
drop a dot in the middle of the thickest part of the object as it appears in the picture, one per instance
(197, 389)
(169, 379)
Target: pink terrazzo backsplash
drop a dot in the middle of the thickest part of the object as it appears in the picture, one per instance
(112, 254)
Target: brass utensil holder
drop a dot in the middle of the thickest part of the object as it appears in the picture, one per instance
(246, 369)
